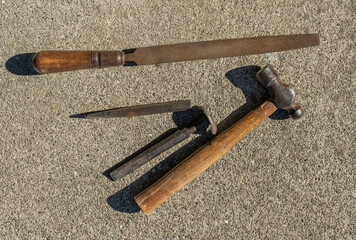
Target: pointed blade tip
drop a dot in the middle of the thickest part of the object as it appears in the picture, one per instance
(80, 115)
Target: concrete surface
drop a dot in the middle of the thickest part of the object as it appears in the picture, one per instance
(286, 180)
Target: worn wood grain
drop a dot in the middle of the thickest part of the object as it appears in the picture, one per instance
(62, 61)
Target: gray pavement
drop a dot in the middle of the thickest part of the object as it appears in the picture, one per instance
(286, 180)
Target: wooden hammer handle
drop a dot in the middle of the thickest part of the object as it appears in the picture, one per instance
(62, 61)
(199, 161)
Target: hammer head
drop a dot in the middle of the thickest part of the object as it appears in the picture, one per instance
(282, 95)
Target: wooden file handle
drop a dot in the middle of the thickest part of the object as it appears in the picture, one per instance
(199, 161)
(61, 61)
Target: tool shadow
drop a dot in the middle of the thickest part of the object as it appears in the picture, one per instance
(21, 64)
(255, 94)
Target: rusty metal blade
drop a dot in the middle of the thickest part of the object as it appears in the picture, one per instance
(218, 49)
(139, 110)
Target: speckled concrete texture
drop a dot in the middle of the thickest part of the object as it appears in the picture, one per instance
(285, 180)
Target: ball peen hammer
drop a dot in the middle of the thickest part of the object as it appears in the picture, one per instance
(281, 97)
